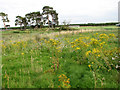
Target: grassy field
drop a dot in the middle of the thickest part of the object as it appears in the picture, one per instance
(98, 27)
(52, 59)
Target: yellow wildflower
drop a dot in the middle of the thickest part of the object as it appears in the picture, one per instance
(92, 62)
(76, 40)
(94, 51)
(65, 84)
(89, 65)
(88, 52)
(111, 35)
(99, 55)
(72, 42)
(59, 50)
(77, 48)
(72, 46)
(94, 41)
(87, 38)
(22, 53)
(103, 36)
(60, 76)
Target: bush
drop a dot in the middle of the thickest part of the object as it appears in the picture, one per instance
(65, 28)
(16, 31)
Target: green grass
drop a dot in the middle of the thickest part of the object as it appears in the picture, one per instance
(29, 63)
(99, 27)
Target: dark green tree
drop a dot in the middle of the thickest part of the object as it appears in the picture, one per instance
(34, 18)
(54, 15)
(21, 21)
(47, 11)
(29, 18)
(4, 18)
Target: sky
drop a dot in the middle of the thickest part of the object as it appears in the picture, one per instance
(71, 11)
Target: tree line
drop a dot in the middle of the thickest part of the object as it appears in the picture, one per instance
(96, 24)
(35, 19)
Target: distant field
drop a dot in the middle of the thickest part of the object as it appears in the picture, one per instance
(98, 27)
(82, 58)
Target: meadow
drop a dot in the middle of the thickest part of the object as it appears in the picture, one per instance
(84, 58)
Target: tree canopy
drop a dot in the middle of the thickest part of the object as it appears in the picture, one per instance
(38, 19)
(4, 18)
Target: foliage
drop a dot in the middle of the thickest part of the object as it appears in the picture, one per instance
(47, 10)
(34, 18)
(4, 18)
(21, 21)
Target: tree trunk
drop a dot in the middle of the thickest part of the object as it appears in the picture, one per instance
(52, 21)
(24, 26)
(21, 27)
(4, 23)
(48, 21)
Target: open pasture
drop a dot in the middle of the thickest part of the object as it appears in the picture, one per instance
(85, 59)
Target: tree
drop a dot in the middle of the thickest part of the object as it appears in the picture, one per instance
(53, 12)
(56, 19)
(4, 18)
(47, 11)
(21, 21)
(54, 15)
(34, 18)
(24, 22)
(28, 18)
(37, 18)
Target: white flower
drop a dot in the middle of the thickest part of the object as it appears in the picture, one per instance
(117, 66)
(113, 58)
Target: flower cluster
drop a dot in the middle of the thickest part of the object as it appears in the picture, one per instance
(88, 53)
(64, 81)
(58, 49)
(102, 44)
(94, 52)
(79, 43)
(94, 42)
(112, 35)
(54, 42)
(103, 37)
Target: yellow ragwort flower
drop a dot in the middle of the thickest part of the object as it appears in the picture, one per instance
(99, 55)
(92, 62)
(65, 84)
(60, 76)
(89, 65)
(22, 53)
(77, 48)
(88, 52)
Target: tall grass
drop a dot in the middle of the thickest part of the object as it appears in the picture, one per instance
(81, 60)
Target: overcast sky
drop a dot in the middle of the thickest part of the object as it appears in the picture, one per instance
(73, 11)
